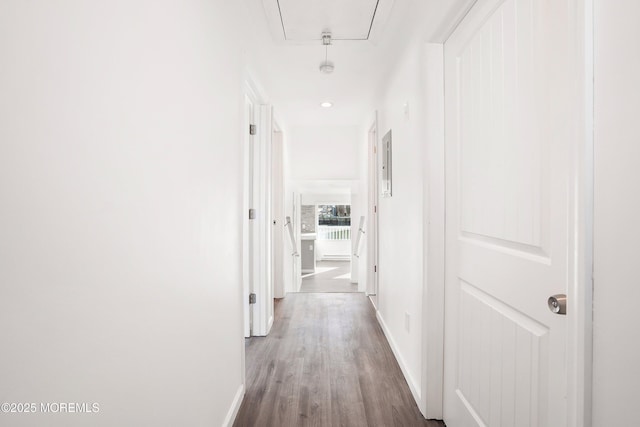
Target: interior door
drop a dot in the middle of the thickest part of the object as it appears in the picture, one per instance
(511, 113)
(249, 229)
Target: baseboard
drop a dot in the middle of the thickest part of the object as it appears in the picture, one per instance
(415, 390)
(235, 407)
(335, 258)
(373, 303)
(269, 324)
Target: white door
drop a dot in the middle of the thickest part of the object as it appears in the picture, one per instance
(512, 95)
(249, 232)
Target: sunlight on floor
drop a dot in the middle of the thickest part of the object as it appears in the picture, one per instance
(320, 270)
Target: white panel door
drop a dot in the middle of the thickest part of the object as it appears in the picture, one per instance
(511, 115)
(248, 231)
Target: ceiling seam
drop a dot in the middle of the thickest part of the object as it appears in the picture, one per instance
(282, 20)
(372, 19)
(332, 39)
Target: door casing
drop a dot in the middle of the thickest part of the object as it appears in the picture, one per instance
(372, 217)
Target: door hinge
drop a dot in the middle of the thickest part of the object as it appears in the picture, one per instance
(252, 298)
(252, 214)
(375, 149)
(375, 268)
(375, 209)
(253, 129)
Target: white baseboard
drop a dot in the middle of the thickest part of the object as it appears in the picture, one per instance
(269, 324)
(415, 389)
(375, 307)
(235, 407)
(329, 257)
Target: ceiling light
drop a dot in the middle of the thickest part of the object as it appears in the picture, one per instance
(327, 66)
(326, 104)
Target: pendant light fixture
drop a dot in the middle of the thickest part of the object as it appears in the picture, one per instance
(327, 66)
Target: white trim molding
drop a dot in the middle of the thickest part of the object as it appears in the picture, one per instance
(433, 235)
(413, 384)
(235, 407)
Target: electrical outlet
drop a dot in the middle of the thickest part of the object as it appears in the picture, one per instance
(407, 321)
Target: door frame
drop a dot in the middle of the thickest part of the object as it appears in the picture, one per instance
(580, 352)
(277, 212)
(433, 187)
(248, 170)
(263, 285)
(373, 212)
(580, 315)
(257, 233)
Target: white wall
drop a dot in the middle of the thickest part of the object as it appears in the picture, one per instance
(617, 209)
(325, 199)
(120, 211)
(323, 152)
(401, 216)
(411, 222)
(331, 248)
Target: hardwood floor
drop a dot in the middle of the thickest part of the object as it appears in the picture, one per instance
(326, 362)
(330, 276)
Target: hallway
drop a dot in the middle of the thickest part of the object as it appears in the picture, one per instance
(170, 169)
(326, 362)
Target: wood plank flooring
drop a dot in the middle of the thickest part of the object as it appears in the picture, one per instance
(330, 276)
(326, 362)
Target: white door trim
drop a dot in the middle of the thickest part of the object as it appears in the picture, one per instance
(277, 214)
(433, 234)
(580, 350)
(372, 206)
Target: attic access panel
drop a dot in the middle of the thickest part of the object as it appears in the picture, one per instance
(305, 20)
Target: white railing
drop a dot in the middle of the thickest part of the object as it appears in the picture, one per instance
(356, 251)
(292, 239)
(334, 232)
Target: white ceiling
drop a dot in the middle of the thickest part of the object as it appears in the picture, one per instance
(296, 87)
(306, 19)
(287, 70)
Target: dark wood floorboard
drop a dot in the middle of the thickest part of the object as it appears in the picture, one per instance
(326, 362)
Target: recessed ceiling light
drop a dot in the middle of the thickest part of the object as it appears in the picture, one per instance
(326, 104)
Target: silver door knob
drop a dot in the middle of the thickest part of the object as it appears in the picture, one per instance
(558, 304)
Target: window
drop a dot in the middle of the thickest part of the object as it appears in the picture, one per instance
(334, 215)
